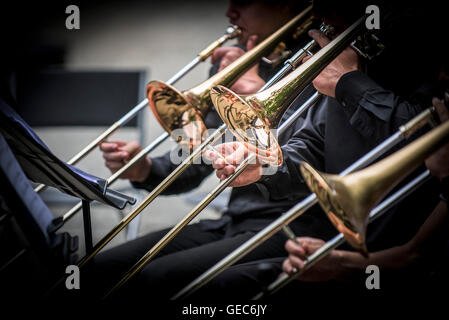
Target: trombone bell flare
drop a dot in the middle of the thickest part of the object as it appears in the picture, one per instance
(347, 200)
(351, 226)
(247, 124)
(173, 111)
(253, 117)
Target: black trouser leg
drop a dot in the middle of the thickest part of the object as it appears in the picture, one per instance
(110, 265)
(167, 275)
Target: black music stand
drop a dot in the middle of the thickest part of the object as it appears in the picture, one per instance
(42, 166)
(31, 256)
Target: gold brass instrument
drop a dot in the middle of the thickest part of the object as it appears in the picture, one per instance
(203, 203)
(166, 97)
(403, 133)
(282, 94)
(348, 200)
(175, 110)
(251, 117)
(339, 239)
(231, 33)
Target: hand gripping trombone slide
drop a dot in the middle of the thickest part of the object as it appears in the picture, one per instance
(339, 239)
(230, 72)
(286, 90)
(231, 32)
(213, 194)
(289, 65)
(171, 107)
(348, 206)
(403, 133)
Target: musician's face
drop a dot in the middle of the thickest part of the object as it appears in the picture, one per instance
(257, 17)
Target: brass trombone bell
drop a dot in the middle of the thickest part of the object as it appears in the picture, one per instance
(200, 94)
(173, 111)
(347, 200)
(294, 213)
(252, 117)
(231, 32)
(186, 110)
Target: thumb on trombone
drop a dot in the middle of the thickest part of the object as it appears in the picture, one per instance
(227, 157)
(118, 153)
(227, 55)
(227, 154)
(345, 62)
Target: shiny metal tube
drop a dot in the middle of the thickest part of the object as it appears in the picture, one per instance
(208, 199)
(347, 200)
(251, 117)
(69, 214)
(223, 184)
(339, 239)
(231, 71)
(300, 208)
(231, 33)
(152, 195)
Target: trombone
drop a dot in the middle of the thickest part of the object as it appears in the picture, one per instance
(348, 200)
(226, 76)
(176, 110)
(273, 104)
(231, 33)
(403, 133)
(339, 239)
(203, 203)
(350, 206)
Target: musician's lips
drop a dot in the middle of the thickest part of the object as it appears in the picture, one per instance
(238, 25)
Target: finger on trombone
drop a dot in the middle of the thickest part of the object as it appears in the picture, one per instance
(114, 165)
(225, 172)
(291, 266)
(295, 249)
(115, 156)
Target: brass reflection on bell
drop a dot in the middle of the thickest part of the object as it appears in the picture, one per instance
(348, 200)
(332, 197)
(186, 110)
(254, 118)
(176, 115)
(250, 125)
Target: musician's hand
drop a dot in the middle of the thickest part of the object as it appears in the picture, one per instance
(438, 163)
(326, 269)
(118, 153)
(249, 82)
(234, 153)
(227, 56)
(347, 61)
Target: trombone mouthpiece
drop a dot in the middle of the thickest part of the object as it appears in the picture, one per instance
(233, 31)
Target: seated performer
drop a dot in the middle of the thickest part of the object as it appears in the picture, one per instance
(354, 116)
(408, 267)
(200, 245)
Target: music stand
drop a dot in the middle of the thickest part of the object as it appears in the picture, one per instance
(42, 166)
(27, 217)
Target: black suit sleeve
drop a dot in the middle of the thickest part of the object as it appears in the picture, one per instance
(305, 144)
(373, 111)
